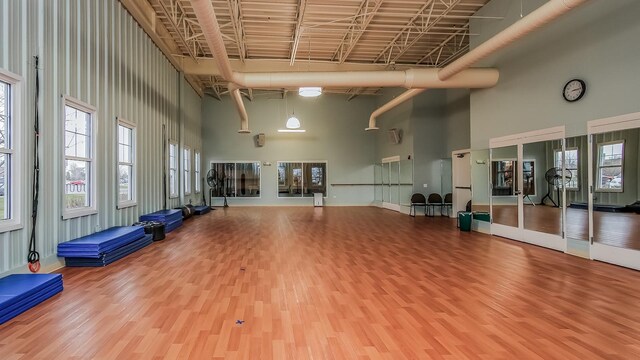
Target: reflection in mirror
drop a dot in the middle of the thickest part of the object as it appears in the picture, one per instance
(236, 179)
(302, 179)
(542, 186)
(576, 162)
(504, 186)
(385, 182)
(616, 162)
(394, 182)
(406, 181)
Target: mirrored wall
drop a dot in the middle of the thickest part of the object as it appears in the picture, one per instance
(301, 179)
(235, 179)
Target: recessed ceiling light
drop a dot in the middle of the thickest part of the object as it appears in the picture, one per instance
(291, 130)
(310, 91)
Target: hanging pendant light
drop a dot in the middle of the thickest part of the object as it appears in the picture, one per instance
(293, 124)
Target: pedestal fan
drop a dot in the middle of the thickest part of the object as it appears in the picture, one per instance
(555, 179)
(216, 182)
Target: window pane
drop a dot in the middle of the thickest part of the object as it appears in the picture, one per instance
(571, 159)
(76, 184)
(611, 177)
(5, 190)
(172, 182)
(4, 113)
(77, 121)
(125, 189)
(611, 154)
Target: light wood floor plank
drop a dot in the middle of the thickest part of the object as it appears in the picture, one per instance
(334, 283)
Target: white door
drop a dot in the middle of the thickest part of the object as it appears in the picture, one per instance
(461, 174)
(527, 189)
(614, 159)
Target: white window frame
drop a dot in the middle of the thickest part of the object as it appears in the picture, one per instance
(175, 194)
(577, 169)
(197, 160)
(92, 192)
(599, 166)
(134, 156)
(14, 222)
(186, 170)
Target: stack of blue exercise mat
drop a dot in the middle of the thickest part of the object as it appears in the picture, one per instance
(171, 218)
(21, 292)
(201, 210)
(104, 247)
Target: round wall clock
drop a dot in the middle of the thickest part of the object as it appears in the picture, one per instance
(574, 90)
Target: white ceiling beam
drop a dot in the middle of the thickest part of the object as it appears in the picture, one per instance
(297, 34)
(238, 29)
(462, 33)
(173, 11)
(421, 23)
(209, 67)
(366, 12)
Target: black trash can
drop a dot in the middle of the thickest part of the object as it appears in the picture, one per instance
(155, 228)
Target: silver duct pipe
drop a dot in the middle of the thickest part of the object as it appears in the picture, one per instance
(538, 18)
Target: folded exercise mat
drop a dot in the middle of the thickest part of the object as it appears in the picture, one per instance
(20, 292)
(165, 216)
(104, 241)
(110, 257)
(172, 225)
(201, 210)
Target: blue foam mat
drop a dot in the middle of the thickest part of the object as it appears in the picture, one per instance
(30, 304)
(16, 287)
(109, 258)
(201, 210)
(103, 241)
(163, 215)
(172, 226)
(4, 311)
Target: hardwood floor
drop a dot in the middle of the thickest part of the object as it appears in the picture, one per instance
(334, 283)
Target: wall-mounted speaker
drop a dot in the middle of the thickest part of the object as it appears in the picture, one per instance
(395, 136)
(260, 140)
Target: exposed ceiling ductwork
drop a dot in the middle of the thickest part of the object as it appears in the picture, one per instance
(455, 75)
(538, 18)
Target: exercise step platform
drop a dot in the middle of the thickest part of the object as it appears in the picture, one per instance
(94, 245)
(112, 256)
(201, 209)
(171, 218)
(21, 292)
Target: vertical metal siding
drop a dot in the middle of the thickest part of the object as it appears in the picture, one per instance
(95, 52)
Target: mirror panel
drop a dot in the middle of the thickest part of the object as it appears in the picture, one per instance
(504, 188)
(480, 193)
(576, 162)
(542, 186)
(394, 182)
(616, 210)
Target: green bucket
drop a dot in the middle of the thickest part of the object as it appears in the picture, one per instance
(464, 218)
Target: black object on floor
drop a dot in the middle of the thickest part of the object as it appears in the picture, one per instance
(155, 228)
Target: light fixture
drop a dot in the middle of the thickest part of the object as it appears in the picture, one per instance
(293, 123)
(310, 91)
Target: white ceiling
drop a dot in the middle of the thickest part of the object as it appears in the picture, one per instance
(303, 35)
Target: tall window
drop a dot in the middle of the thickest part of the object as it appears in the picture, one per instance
(79, 166)
(187, 170)
(126, 163)
(196, 161)
(610, 166)
(173, 169)
(571, 165)
(9, 155)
